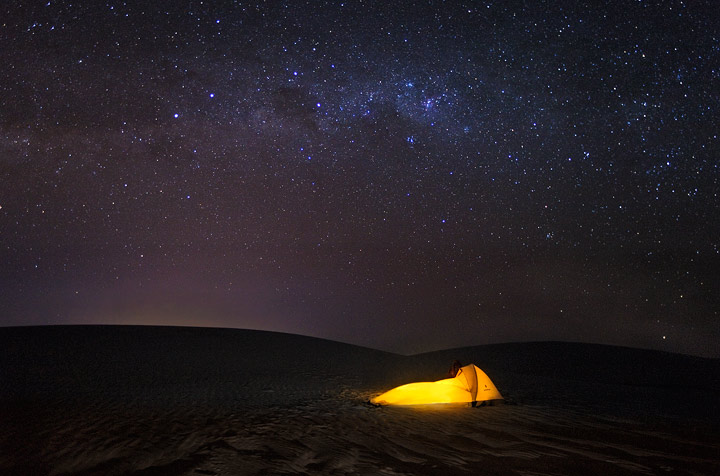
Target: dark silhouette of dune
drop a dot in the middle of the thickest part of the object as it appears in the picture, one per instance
(595, 363)
(87, 360)
(110, 400)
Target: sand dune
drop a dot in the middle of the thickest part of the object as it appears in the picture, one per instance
(189, 401)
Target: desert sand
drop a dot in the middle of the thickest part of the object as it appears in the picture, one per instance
(107, 400)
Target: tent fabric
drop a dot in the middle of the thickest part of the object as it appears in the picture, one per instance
(469, 385)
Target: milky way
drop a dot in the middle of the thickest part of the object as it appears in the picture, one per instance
(402, 175)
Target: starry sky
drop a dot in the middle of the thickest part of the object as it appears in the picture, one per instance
(407, 176)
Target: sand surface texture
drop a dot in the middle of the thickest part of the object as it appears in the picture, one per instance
(187, 401)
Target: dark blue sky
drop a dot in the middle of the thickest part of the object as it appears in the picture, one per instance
(405, 176)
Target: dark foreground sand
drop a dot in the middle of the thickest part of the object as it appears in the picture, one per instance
(189, 401)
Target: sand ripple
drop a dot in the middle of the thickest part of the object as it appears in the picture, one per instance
(306, 413)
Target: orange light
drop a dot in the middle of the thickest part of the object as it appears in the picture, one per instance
(470, 385)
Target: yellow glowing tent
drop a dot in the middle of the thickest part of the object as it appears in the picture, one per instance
(469, 385)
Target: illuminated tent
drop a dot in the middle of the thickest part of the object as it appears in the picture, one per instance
(469, 385)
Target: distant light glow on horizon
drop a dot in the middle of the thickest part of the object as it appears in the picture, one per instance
(412, 178)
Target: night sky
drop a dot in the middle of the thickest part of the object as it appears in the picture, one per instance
(407, 176)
